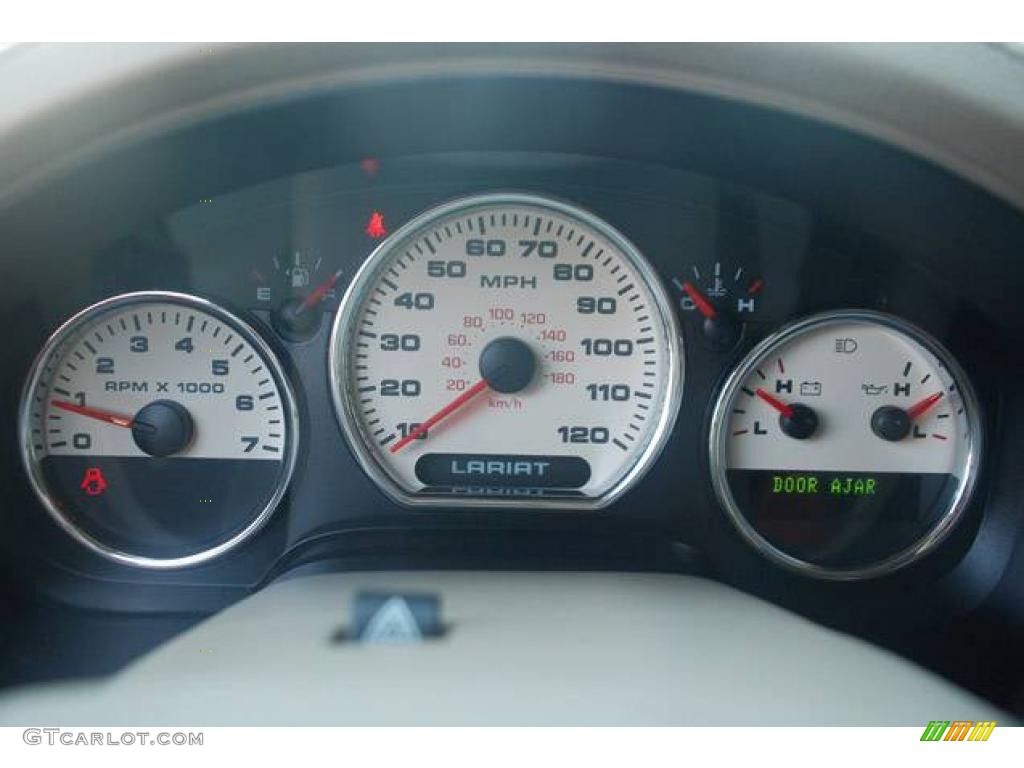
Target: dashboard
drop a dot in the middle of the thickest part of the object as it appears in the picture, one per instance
(512, 323)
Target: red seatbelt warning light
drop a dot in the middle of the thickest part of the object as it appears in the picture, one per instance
(375, 226)
(93, 483)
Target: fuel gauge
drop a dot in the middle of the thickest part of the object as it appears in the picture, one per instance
(298, 289)
(846, 445)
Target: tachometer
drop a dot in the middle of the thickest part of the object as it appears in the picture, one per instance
(158, 429)
(506, 349)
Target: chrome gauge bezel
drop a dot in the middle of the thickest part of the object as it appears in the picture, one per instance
(30, 460)
(718, 439)
(340, 349)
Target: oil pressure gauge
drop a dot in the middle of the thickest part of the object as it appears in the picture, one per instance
(846, 445)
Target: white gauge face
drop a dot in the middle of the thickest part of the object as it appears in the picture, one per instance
(850, 370)
(846, 444)
(506, 349)
(158, 428)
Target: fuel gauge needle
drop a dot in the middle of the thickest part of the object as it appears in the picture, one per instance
(95, 413)
(318, 293)
(294, 320)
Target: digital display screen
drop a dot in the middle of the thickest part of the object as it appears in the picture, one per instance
(841, 519)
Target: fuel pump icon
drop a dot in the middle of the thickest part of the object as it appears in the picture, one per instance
(299, 276)
(93, 482)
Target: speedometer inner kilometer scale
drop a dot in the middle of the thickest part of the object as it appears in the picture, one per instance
(506, 349)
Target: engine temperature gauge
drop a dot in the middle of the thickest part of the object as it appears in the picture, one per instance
(722, 298)
(846, 445)
(724, 287)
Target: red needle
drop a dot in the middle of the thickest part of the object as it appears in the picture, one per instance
(774, 402)
(703, 305)
(921, 406)
(95, 413)
(318, 293)
(448, 410)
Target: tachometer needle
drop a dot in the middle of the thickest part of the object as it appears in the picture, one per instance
(95, 413)
(704, 306)
(922, 406)
(318, 293)
(448, 410)
(774, 402)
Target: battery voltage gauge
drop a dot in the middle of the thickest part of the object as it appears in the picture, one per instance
(846, 445)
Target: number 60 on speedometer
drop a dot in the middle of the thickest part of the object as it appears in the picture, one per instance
(506, 349)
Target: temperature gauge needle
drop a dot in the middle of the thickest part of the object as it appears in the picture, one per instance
(705, 307)
(95, 413)
(318, 293)
(774, 402)
(719, 328)
(923, 406)
(445, 412)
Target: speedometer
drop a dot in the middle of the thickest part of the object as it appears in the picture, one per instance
(506, 349)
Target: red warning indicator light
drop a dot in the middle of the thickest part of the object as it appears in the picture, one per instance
(375, 226)
(370, 166)
(93, 483)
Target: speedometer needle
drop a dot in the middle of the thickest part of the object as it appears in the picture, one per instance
(95, 413)
(448, 410)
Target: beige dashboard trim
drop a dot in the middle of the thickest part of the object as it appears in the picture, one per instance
(522, 649)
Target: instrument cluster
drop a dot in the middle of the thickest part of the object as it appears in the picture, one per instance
(501, 337)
